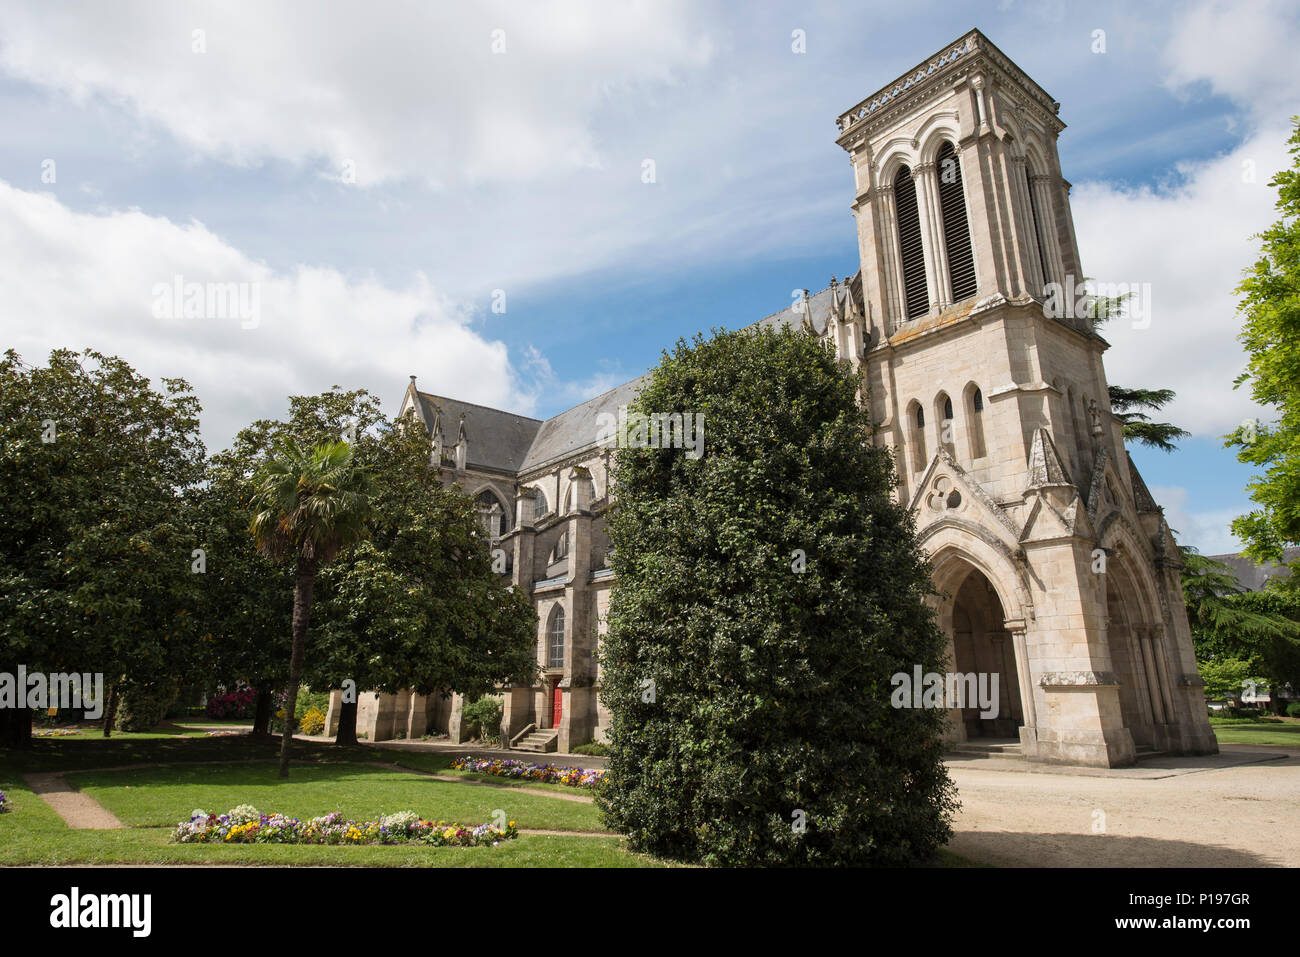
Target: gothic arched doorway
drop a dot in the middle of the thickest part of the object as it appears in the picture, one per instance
(1135, 657)
(982, 646)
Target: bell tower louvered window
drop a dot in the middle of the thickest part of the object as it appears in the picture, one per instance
(916, 300)
(956, 231)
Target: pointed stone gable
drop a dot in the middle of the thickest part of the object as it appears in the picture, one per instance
(1142, 496)
(1046, 470)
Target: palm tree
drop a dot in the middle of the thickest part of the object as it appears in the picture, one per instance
(308, 506)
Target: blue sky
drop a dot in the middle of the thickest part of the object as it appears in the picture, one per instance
(379, 171)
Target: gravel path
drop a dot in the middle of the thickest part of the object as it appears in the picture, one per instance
(1220, 811)
(79, 811)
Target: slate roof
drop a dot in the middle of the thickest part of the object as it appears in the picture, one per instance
(497, 440)
(1252, 576)
(819, 308)
(578, 427)
(516, 443)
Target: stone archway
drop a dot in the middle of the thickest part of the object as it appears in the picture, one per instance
(981, 644)
(1131, 626)
(980, 609)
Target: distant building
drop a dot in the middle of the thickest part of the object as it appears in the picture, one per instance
(1254, 577)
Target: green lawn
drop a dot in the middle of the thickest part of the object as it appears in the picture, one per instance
(34, 834)
(216, 774)
(160, 797)
(1250, 731)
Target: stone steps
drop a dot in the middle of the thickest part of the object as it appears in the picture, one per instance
(989, 748)
(538, 742)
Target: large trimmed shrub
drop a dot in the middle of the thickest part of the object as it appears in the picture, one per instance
(484, 715)
(142, 706)
(767, 590)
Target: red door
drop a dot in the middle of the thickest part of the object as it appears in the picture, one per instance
(557, 705)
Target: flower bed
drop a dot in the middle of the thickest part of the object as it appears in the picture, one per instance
(245, 825)
(54, 732)
(236, 704)
(224, 734)
(548, 773)
(5, 806)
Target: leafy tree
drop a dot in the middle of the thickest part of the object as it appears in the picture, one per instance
(249, 608)
(1261, 628)
(96, 482)
(1226, 677)
(1221, 623)
(1270, 305)
(247, 601)
(767, 592)
(417, 605)
(1131, 406)
(310, 505)
(1126, 405)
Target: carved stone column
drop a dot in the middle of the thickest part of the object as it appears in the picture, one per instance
(892, 281)
(1054, 268)
(1035, 271)
(936, 255)
(1016, 629)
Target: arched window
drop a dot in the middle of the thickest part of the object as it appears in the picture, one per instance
(555, 638)
(916, 300)
(484, 502)
(561, 550)
(956, 231)
(918, 437)
(975, 412)
(947, 423)
(539, 502)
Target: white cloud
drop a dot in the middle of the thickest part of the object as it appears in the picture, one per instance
(1207, 531)
(1242, 51)
(395, 90)
(1191, 237)
(80, 279)
(1190, 241)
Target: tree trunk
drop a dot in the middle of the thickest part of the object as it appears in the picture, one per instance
(302, 594)
(347, 733)
(262, 710)
(110, 711)
(16, 728)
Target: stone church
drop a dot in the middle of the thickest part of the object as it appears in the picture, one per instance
(1055, 566)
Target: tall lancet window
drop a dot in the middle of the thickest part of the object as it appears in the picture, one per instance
(555, 639)
(916, 299)
(977, 448)
(918, 437)
(956, 231)
(947, 424)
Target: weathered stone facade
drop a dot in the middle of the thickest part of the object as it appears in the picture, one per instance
(1056, 567)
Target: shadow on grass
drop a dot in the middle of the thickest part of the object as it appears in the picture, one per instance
(94, 751)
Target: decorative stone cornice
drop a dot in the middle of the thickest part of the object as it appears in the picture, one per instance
(924, 73)
(957, 63)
